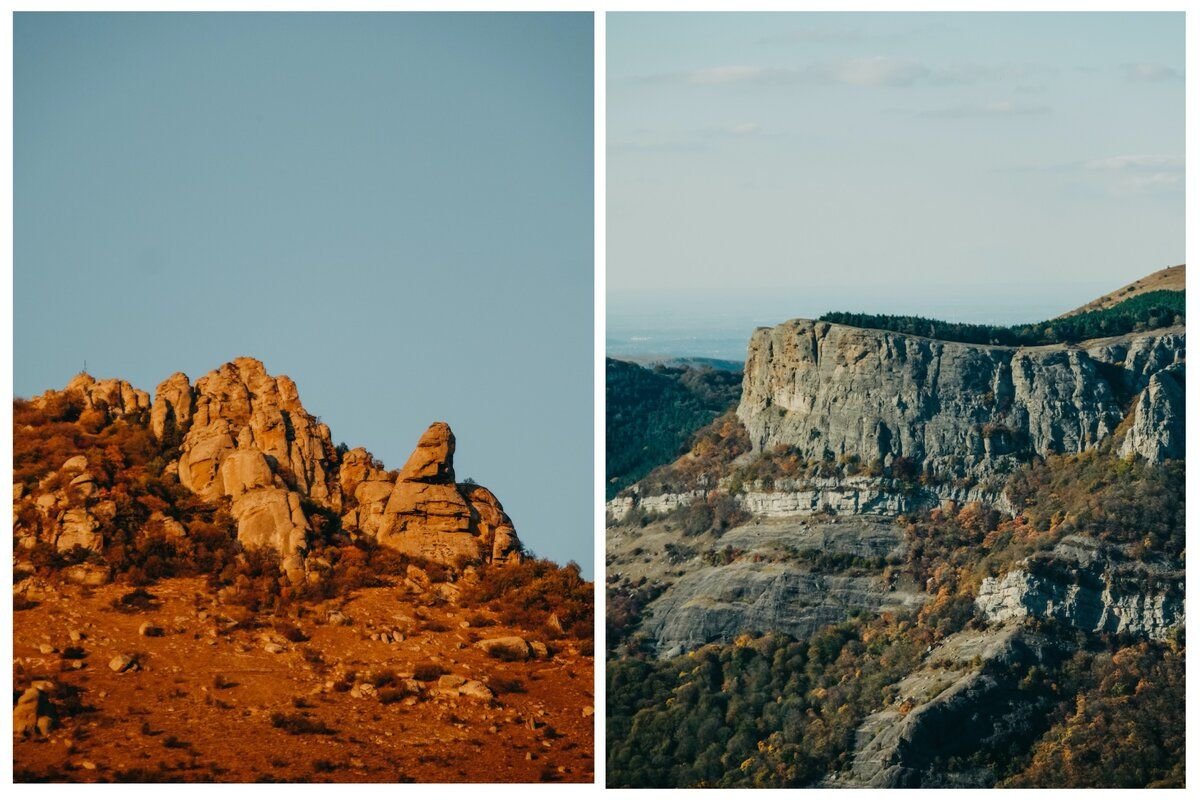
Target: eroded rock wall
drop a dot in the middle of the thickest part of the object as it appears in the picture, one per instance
(960, 410)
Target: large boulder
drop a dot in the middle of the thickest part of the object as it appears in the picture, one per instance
(245, 470)
(271, 518)
(429, 515)
(77, 528)
(495, 529)
(240, 407)
(172, 409)
(426, 515)
(1157, 430)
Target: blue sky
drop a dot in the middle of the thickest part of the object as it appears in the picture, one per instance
(910, 156)
(395, 210)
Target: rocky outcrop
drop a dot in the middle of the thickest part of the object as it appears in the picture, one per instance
(171, 413)
(960, 410)
(965, 701)
(798, 497)
(772, 582)
(115, 398)
(428, 515)
(240, 406)
(1090, 586)
(245, 439)
(1157, 429)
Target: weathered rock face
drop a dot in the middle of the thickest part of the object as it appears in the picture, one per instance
(1089, 586)
(428, 515)
(114, 397)
(495, 530)
(965, 700)
(173, 405)
(959, 409)
(1157, 431)
(771, 585)
(240, 405)
(718, 603)
(245, 438)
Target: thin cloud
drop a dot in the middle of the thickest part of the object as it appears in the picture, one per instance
(738, 129)
(847, 35)
(1122, 175)
(1137, 163)
(1151, 73)
(626, 147)
(648, 141)
(998, 108)
(868, 71)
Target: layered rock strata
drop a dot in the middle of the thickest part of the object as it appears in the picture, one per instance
(960, 410)
(1090, 586)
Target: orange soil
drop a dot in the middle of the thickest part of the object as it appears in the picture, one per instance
(169, 721)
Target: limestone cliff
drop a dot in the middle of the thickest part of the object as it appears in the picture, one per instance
(959, 410)
(1089, 586)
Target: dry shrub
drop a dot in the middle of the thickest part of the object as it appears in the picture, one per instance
(526, 594)
(300, 724)
(428, 671)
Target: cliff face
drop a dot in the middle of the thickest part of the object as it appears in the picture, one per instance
(245, 438)
(1089, 586)
(958, 409)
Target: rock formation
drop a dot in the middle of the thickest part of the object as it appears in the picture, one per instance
(963, 702)
(1157, 431)
(115, 398)
(244, 438)
(429, 515)
(958, 409)
(1089, 586)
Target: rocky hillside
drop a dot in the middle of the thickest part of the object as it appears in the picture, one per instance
(206, 588)
(905, 561)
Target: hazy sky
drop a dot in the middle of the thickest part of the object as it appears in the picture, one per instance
(926, 151)
(395, 210)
